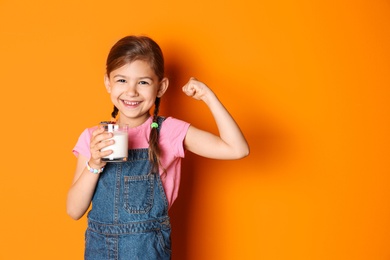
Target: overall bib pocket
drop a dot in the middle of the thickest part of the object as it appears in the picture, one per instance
(138, 193)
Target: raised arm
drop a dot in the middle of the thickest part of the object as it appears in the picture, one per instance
(230, 144)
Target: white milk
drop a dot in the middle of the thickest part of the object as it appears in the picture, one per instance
(119, 148)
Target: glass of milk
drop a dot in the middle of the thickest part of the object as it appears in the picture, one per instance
(120, 147)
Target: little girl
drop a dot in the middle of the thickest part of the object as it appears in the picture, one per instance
(130, 200)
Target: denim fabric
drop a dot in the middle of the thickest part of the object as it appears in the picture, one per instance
(129, 215)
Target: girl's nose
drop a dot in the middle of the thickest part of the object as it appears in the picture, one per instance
(132, 91)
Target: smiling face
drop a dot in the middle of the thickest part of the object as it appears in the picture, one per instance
(133, 89)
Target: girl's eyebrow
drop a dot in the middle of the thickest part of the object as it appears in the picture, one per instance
(119, 76)
(122, 76)
(146, 77)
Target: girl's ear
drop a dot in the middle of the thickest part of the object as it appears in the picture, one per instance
(162, 87)
(107, 83)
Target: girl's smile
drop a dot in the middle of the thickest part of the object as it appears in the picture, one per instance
(130, 104)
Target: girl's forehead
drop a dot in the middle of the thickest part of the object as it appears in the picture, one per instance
(134, 68)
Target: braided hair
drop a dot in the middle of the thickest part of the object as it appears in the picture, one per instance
(114, 113)
(154, 149)
(127, 50)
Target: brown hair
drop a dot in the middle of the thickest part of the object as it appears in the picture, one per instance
(127, 50)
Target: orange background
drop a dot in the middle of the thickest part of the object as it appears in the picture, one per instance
(308, 82)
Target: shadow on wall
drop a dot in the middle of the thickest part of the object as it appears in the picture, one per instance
(270, 144)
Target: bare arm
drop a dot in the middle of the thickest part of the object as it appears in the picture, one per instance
(84, 182)
(230, 144)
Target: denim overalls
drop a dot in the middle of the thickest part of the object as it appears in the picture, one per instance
(129, 216)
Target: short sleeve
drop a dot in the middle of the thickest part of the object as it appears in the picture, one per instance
(82, 145)
(172, 135)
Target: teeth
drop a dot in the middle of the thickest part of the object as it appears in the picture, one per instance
(130, 103)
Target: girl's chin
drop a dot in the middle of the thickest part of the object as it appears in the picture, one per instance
(134, 117)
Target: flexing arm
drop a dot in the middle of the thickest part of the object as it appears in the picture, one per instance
(230, 144)
(84, 182)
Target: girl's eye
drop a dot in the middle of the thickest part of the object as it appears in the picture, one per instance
(143, 83)
(121, 81)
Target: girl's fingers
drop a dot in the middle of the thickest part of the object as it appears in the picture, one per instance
(189, 91)
(100, 139)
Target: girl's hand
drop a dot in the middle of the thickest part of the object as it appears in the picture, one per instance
(196, 89)
(99, 141)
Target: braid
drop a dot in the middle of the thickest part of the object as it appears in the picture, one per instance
(156, 109)
(114, 113)
(154, 149)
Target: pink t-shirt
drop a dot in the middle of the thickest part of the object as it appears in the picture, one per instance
(172, 134)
